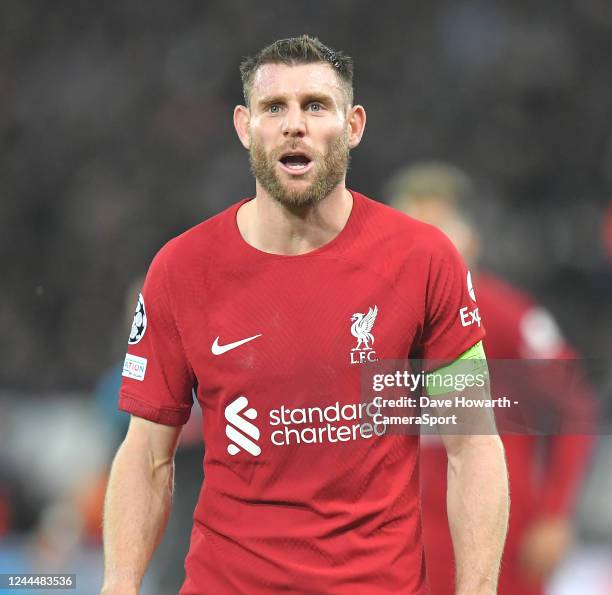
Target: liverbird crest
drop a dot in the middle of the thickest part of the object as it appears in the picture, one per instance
(361, 329)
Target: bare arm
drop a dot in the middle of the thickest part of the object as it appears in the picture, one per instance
(477, 498)
(477, 504)
(137, 504)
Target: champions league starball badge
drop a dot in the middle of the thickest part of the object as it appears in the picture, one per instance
(139, 325)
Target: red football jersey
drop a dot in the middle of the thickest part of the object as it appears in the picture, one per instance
(300, 493)
(517, 328)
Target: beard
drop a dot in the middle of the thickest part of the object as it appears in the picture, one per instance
(328, 171)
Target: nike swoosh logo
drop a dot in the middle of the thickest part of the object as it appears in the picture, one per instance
(220, 349)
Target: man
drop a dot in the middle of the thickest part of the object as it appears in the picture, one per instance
(271, 309)
(517, 328)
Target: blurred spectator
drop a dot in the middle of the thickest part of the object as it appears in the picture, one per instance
(543, 493)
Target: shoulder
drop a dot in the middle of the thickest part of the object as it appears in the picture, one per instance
(402, 231)
(200, 241)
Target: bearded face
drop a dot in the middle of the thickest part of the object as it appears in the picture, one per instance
(299, 127)
(297, 176)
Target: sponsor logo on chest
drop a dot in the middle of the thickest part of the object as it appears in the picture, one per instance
(333, 423)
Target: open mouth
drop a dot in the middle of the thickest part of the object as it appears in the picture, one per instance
(295, 162)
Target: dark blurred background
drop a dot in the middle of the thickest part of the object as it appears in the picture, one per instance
(115, 121)
(115, 124)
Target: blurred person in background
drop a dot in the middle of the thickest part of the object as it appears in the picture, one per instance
(236, 306)
(543, 489)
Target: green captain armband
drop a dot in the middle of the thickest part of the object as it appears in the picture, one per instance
(469, 369)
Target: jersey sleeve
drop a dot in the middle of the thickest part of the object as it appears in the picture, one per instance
(157, 379)
(452, 322)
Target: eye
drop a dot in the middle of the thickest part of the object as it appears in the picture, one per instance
(274, 108)
(315, 107)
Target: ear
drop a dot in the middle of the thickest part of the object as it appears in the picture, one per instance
(242, 116)
(356, 122)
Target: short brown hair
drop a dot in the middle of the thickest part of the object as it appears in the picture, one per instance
(298, 50)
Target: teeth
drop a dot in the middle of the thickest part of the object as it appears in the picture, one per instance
(296, 165)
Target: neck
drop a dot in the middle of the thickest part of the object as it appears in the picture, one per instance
(273, 227)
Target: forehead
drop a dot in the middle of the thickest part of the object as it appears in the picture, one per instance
(296, 80)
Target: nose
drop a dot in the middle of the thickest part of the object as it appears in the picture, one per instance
(294, 123)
